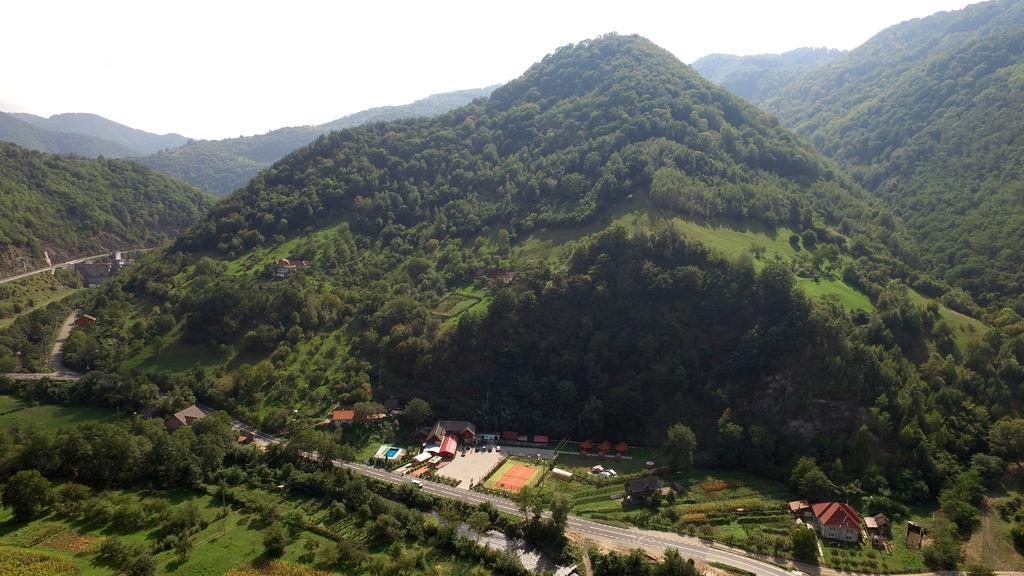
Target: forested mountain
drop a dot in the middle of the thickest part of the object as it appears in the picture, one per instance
(70, 207)
(139, 142)
(26, 135)
(222, 166)
(927, 115)
(760, 76)
(414, 270)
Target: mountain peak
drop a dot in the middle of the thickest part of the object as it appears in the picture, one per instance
(587, 127)
(596, 66)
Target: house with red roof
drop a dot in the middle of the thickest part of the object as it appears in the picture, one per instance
(836, 521)
(342, 416)
(85, 320)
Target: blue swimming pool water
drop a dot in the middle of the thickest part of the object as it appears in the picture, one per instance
(391, 452)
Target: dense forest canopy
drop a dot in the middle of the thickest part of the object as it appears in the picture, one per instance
(927, 116)
(223, 166)
(70, 206)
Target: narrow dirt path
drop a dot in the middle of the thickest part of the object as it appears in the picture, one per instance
(58, 370)
(57, 354)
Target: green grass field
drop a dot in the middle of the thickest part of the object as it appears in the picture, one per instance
(10, 404)
(176, 357)
(14, 413)
(850, 298)
(582, 464)
(457, 303)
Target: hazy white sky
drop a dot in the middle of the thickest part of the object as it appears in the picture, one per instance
(215, 68)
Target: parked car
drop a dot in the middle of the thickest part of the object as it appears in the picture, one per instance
(497, 448)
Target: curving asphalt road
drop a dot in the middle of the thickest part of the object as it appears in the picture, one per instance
(66, 264)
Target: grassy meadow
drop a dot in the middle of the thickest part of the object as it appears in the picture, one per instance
(14, 412)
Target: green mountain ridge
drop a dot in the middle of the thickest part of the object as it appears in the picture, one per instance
(758, 76)
(25, 134)
(926, 116)
(139, 142)
(72, 207)
(222, 166)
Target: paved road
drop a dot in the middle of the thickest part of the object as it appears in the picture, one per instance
(628, 537)
(65, 265)
(59, 371)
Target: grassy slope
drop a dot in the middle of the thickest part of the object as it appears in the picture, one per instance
(965, 328)
(223, 545)
(232, 542)
(991, 544)
(728, 238)
(29, 294)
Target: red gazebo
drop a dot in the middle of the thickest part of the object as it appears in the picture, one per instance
(586, 446)
(620, 449)
(604, 447)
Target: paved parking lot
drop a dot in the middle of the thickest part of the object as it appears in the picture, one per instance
(472, 467)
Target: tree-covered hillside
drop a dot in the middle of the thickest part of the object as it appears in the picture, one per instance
(927, 115)
(760, 76)
(72, 206)
(222, 166)
(413, 270)
(401, 260)
(587, 127)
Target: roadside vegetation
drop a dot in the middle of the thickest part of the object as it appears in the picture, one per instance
(145, 501)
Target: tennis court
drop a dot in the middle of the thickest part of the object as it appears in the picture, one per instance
(512, 476)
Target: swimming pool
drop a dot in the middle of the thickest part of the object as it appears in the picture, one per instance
(391, 452)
